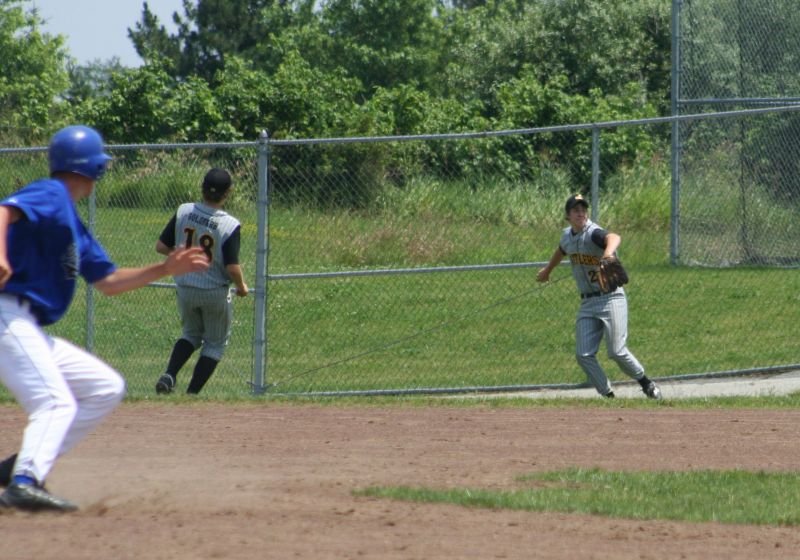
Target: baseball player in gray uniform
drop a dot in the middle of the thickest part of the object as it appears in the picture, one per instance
(204, 298)
(586, 243)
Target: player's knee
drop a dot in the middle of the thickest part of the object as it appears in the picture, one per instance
(195, 341)
(585, 357)
(213, 353)
(117, 388)
(618, 355)
(57, 404)
(191, 342)
(112, 390)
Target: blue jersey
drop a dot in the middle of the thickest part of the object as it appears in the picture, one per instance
(48, 248)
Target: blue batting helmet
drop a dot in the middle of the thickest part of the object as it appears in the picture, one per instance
(78, 149)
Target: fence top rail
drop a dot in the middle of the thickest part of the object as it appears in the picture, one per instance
(538, 130)
(389, 271)
(453, 136)
(741, 101)
(164, 146)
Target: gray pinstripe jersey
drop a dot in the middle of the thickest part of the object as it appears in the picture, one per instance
(198, 224)
(584, 254)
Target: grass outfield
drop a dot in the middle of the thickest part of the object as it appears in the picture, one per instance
(454, 329)
(698, 496)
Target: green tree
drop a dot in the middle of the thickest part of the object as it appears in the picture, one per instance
(525, 102)
(295, 101)
(32, 75)
(212, 30)
(603, 44)
(147, 104)
(384, 43)
(152, 41)
(91, 79)
(466, 4)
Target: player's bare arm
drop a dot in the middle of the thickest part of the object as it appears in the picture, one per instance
(8, 216)
(544, 274)
(162, 248)
(235, 272)
(612, 244)
(178, 262)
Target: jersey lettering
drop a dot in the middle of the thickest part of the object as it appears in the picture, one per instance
(202, 220)
(583, 259)
(197, 224)
(189, 233)
(206, 241)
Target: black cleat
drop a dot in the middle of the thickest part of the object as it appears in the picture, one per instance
(6, 469)
(166, 383)
(652, 391)
(31, 497)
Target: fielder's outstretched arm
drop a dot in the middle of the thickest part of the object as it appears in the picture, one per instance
(179, 262)
(555, 260)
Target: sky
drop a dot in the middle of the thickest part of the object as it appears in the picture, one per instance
(98, 29)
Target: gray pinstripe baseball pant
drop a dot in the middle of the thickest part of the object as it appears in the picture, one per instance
(206, 316)
(604, 315)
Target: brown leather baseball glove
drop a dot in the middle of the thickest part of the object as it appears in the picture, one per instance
(611, 275)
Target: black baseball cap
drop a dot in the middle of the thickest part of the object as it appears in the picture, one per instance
(573, 201)
(217, 181)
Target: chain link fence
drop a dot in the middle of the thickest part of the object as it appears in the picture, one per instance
(127, 212)
(482, 322)
(735, 53)
(738, 181)
(402, 265)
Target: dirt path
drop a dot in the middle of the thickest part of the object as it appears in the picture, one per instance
(274, 481)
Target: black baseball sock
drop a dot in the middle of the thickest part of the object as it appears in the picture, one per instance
(202, 372)
(644, 381)
(181, 353)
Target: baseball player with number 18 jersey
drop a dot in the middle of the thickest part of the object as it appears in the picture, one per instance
(601, 312)
(204, 298)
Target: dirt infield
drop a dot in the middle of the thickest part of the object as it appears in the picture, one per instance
(274, 481)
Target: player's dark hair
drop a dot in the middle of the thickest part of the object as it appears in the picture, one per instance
(215, 184)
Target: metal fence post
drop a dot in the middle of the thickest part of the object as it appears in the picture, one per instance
(262, 250)
(596, 174)
(89, 288)
(675, 167)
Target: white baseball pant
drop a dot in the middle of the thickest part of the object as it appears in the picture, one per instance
(65, 390)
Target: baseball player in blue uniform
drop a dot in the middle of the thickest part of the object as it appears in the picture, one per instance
(204, 298)
(586, 243)
(44, 247)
